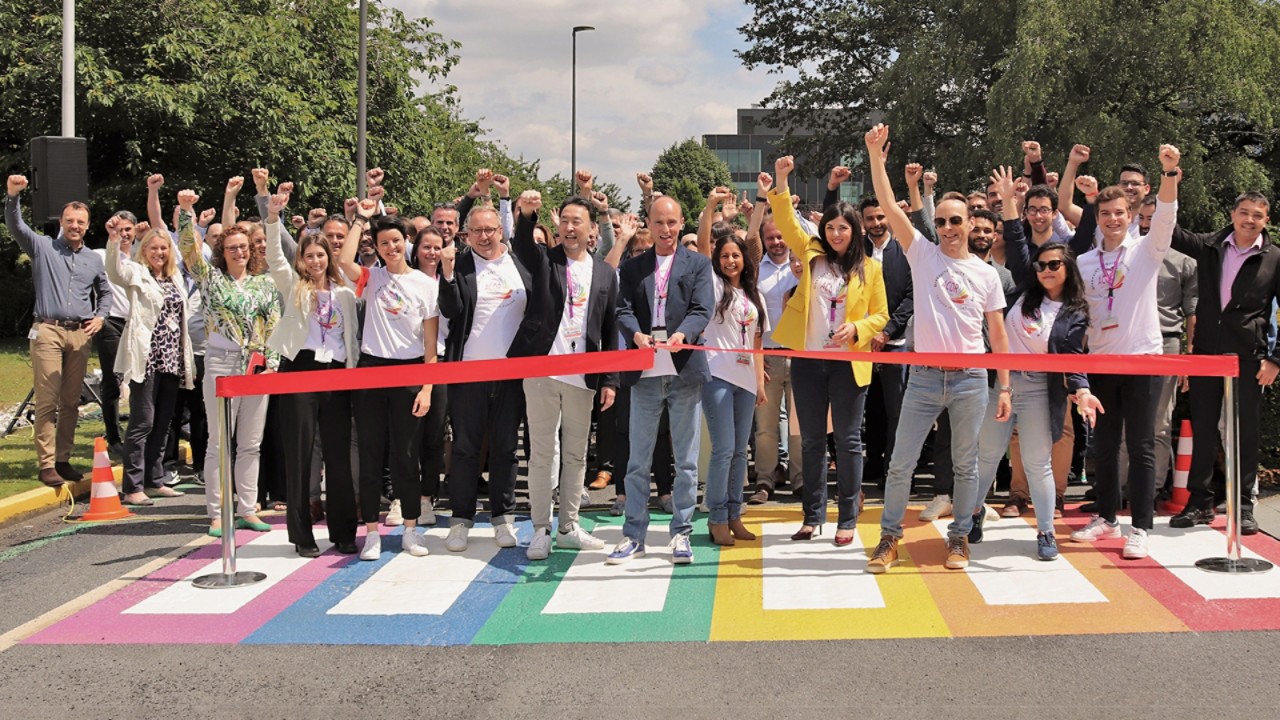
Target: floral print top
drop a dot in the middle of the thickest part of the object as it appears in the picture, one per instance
(245, 311)
(166, 337)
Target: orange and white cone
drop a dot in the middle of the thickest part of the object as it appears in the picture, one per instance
(104, 501)
(1181, 469)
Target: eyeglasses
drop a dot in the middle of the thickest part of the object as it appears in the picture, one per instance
(1036, 211)
(236, 248)
(954, 220)
(1050, 265)
(1131, 183)
(484, 231)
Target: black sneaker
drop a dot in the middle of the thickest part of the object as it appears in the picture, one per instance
(975, 530)
(1248, 526)
(1192, 516)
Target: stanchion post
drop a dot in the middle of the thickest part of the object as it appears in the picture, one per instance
(228, 578)
(1233, 562)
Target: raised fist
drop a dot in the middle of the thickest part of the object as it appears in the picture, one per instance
(529, 202)
(600, 201)
(374, 177)
(1088, 185)
(839, 174)
(583, 178)
(113, 228)
(187, 200)
(276, 203)
(1051, 179)
(391, 210)
(914, 172)
(206, 217)
(764, 183)
(155, 182)
(260, 177)
(297, 221)
(1079, 154)
(317, 216)
(285, 188)
(17, 183)
(367, 208)
(349, 207)
(645, 181)
(234, 185)
(930, 179)
(877, 139)
(503, 183)
(448, 254)
(783, 166)
(1031, 149)
(484, 178)
(1169, 157)
(376, 193)
(141, 228)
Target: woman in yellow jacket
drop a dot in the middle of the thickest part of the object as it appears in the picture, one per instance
(838, 306)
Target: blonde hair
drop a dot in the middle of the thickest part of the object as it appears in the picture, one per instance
(171, 263)
(304, 291)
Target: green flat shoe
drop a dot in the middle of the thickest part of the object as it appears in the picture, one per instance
(215, 532)
(243, 524)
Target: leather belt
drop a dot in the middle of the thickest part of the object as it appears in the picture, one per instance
(944, 369)
(65, 324)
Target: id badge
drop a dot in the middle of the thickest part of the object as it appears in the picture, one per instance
(831, 342)
(572, 331)
(744, 359)
(660, 335)
(34, 334)
(1110, 323)
(324, 355)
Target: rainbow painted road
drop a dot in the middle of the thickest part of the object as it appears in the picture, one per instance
(771, 589)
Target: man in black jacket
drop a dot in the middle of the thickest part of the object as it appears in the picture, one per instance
(1239, 277)
(573, 300)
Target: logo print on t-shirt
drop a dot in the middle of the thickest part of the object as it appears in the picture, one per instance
(953, 287)
(1031, 325)
(1098, 281)
(494, 288)
(391, 299)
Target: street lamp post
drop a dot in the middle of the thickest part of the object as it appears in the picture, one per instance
(573, 131)
(362, 102)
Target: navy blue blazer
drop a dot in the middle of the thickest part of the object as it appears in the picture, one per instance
(690, 302)
(1069, 330)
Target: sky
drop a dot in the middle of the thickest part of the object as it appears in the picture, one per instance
(653, 73)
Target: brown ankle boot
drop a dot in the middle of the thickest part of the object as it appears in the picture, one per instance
(740, 531)
(720, 534)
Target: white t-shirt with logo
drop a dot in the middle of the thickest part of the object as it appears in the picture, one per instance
(395, 308)
(662, 364)
(571, 337)
(1031, 334)
(827, 297)
(951, 299)
(324, 329)
(733, 333)
(500, 304)
(774, 282)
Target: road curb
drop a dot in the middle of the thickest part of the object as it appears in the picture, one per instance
(43, 499)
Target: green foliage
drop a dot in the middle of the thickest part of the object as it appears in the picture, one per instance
(557, 189)
(962, 83)
(688, 171)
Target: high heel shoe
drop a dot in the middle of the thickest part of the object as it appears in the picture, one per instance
(843, 541)
(720, 534)
(803, 534)
(740, 531)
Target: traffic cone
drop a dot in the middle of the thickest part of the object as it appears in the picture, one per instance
(104, 500)
(1181, 468)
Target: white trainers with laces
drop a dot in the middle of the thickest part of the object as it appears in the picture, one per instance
(372, 547)
(457, 540)
(413, 543)
(394, 517)
(1135, 548)
(540, 546)
(579, 539)
(938, 507)
(1097, 529)
(505, 535)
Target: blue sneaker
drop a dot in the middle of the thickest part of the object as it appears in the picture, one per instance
(681, 552)
(1046, 546)
(624, 551)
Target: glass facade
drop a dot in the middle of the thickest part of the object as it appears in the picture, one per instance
(741, 161)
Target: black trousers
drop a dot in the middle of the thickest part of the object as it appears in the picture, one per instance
(271, 482)
(1206, 407)
(431, 450)
(191, 404)
(151, 404)
(606, 437)
(663, 474)
(390, 436)
(474, 409)
(108, 343)
(1130, 402)
(884, 405)
(306, 418)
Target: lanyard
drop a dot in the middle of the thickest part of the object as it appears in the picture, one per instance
(836, 298)
(326, 312)
(660, 288)
(1109, 275)
(569, 289)
(746, 321)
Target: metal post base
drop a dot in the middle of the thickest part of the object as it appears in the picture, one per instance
(1227, 565)
(223, 580)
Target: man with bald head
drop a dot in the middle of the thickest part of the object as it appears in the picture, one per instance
(665, 298)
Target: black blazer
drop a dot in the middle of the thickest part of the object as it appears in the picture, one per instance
(458, 304)
(690, 302)
(547, 268)
(1240, 329)
(1067, 337)
(899, 293)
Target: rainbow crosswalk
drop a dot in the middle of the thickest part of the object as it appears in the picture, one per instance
(771, 589)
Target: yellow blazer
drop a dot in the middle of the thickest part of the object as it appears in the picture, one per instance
(865, 304)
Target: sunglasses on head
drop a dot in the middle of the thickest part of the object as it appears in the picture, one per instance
(444, 206)
(954, 220)
(1050, 265)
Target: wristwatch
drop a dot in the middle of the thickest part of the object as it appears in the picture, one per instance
(1005, 389)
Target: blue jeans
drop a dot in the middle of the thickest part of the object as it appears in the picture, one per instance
(1035, 440)
(817, 386)
(963, 394)
(683, 401)
(729, 410)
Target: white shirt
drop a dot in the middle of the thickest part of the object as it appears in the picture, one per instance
(119, 298)
(324, 329)
(827, 299)
(1128, 322)
(500, 304)
(395, 308)
(734, 332)
(662, 364)
(774, 282)
(877, 254)
(571, 337)
(951, 299)
(1031, 334)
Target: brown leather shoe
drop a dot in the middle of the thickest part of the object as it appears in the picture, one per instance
(740, 531)
(602, 480)
(51, 478)
(720, 534)
(67, 472)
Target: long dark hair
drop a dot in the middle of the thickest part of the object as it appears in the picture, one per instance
(746, 279)
(1072, 290)
(852, 261)
(417, 242)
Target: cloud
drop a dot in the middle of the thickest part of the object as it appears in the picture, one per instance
(652, 74)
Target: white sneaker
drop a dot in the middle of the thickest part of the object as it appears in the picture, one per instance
(1135, 548)
(1097, 529)
(579, 539)
(413, 543)
(505, 535)
(428, 514)
(585, 500)
(457, 540)
(394, 517)
(540, 547)
(992, 515)
(938, 507)
(372, 547)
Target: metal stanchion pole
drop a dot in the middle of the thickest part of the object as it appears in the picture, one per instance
(1233, 562)
(228, 578)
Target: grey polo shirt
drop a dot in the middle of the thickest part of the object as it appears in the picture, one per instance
(70, 284)
(1176, 292)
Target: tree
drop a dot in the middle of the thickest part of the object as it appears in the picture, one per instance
(961, 84)
(687, 171)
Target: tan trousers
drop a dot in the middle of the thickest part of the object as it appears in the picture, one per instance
(776, 389)
(1060, 459)
(58, 361)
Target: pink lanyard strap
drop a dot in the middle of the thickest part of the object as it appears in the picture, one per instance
(1109, 275)
(569, 289)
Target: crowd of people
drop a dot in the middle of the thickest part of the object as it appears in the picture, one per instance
(174, 303)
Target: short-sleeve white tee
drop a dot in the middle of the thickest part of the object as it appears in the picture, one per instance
(733, 333)
(951, 299)
(395, 308)
(500, 305)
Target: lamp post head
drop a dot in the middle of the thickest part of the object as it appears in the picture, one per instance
(581, 28)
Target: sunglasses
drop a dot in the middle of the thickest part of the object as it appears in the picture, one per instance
(1050, 265)
(444, 206)
(954, 220)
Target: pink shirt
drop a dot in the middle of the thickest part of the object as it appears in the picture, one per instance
(1232, 260)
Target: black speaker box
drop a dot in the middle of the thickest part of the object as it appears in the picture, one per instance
(59, 175)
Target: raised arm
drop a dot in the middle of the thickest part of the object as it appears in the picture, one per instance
(1016, 253)
(229, 210)
(630, 225)
(755, 244)
(281, 273)
(1033, 163)
(600, 206)
(351, 246)
(914, 172)
(1160, 237)
(784, 216)
(505, 216)
(29, 240)
(1066, 186)
(645, 181)
(839, 174)
(718, 194)
(522, 244)
(155, 215)
(119, 270)
(877, 139)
